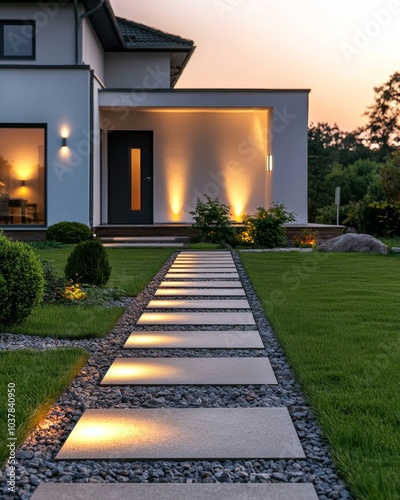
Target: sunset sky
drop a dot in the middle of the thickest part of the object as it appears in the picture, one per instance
(339, 49)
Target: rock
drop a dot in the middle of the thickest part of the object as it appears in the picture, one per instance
(353, 243)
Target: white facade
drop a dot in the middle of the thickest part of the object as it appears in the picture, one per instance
(246, 147)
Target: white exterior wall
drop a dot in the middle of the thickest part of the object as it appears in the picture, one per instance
(285, 134)
(60, 99)
(97, 160)
(220, 154)
(92, 51)
(131, 70)
(55, 35)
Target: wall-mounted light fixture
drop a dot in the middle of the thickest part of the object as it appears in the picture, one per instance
(64, 142)
(269, 163)
(23, 183)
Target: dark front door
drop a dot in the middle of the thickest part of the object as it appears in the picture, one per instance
(130, 177)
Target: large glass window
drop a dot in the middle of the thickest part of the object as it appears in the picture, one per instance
(22, 175)
(17, 40)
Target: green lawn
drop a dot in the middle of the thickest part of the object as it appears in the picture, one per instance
(132, 268)
(39, 378)
(337, 317)
(69, 322)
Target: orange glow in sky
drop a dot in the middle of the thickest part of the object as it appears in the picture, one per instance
(340, 50)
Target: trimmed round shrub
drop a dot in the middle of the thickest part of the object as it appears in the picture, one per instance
(88, 263)
(21, 281)
(68, 232)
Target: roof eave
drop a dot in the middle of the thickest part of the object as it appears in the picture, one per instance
(175, 78)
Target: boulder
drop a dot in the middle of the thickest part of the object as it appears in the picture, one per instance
(353, 243)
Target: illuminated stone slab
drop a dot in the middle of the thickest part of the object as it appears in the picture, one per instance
(195, 265)
(201, 284)
(202, 275)
(195, 340)
(196, 318)
(204, 253)
(185, 260)
(198, 304)
(193, 292)
(190, 371)
(176, 491)
(195, 269)
(183, 434)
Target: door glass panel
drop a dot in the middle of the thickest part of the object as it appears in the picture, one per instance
(136, 180)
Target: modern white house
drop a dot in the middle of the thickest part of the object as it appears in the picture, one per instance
(93, 130)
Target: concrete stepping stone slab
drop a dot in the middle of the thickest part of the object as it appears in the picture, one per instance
(198, 304)
(193, 292)
(205, 253)
(201, 270)
(190, 371)
(194, 340)
(203, 266)
(212, 262)
(196, 318)
(183, 434)
(201, 284)
(176, 491)
(202, 275)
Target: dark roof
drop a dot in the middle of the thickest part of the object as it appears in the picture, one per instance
(139, 36)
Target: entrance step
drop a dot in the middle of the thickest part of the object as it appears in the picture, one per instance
(194, 340)
(190, 371)
(176, 491)
(145, 241)
(183, 434)
(196, 318)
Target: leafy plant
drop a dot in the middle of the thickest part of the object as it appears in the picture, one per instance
(265, 228)
(307, 239)
(21, 281)
(212, 219)
(68, 232)
(88, 263)
(53, 285)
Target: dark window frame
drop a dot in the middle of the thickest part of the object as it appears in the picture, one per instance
(43, 126)
(12, 22)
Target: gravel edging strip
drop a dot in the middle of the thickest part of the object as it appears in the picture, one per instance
(36, 456)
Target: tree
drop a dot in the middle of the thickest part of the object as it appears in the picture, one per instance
(330, 150)
(383, 127)
(390, 177)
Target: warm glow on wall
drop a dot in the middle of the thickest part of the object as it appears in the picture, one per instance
(176, 187)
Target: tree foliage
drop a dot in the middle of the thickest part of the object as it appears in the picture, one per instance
(383, 127)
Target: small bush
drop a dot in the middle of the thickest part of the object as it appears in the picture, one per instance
(265, 228)
(213, 221)
(68, 232)
(88, 263)
(21, 281)
(307, 239)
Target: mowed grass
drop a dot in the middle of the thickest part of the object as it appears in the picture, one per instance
(337, 316)
(69, 322)
(39, 378)
(132, 268)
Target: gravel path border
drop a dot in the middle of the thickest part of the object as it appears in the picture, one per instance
(36, 456)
